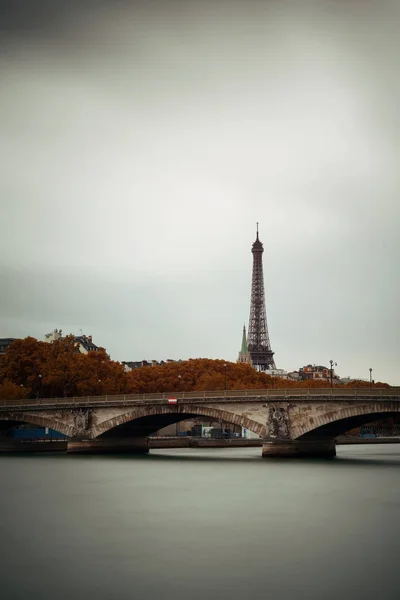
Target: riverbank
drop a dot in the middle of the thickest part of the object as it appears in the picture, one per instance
(347, 440)
(182, 442)
(191, 442)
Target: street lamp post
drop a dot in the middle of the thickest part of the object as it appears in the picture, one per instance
(370, 378)
(222, 426)
(179, 389)
(333, 364)
(39, 385)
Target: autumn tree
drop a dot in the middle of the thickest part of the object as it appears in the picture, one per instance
(196, 374)
(30, 368)
(59, 369)
(103, 376)
(12, 391)
(23, 363)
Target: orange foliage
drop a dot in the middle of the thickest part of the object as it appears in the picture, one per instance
(59, 369)
(207, 374)
(195, 374)
(357, 383)
(12, 391)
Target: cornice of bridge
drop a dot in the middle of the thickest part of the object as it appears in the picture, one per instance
(208, 397)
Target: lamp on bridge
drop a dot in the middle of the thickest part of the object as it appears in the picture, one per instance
(333, 364)
(370, 378)
(225, 365)
(179, 388)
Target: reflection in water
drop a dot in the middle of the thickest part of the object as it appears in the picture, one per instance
(201, 523)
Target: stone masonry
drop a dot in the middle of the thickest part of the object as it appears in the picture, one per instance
(279, 420)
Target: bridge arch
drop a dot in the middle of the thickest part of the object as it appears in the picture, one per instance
(19, 418)
(337, 422)
(181, 413)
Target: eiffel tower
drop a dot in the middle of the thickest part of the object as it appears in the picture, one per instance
(258, 342)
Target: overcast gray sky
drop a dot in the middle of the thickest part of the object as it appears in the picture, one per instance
(141, 141)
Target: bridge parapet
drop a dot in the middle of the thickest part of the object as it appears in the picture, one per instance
(264, 395)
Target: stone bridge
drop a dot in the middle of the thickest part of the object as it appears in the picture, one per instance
(296, 422)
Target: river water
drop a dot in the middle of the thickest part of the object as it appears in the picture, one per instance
(209, 523)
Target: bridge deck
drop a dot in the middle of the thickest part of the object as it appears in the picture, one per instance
(225, 396)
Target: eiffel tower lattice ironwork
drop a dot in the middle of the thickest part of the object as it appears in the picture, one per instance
(258, 342)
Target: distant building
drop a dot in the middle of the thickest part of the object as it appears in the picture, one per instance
(316, 372)
(4, 343)
(56, 334)
(200, 426)
(244, 354)
(351, 379)
(294, 375)
(249, 435)
(85, 343)
(281, 373)
(129, 365)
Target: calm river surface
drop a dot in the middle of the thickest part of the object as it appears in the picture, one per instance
(210, 523)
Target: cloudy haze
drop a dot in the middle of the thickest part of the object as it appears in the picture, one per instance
(141, 141)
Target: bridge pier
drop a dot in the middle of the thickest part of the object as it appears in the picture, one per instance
(109, 446)
(299, 449)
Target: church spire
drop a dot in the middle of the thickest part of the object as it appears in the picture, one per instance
(244, 341)
(244, 354)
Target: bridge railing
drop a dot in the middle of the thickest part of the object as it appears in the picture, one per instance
(204, 395)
